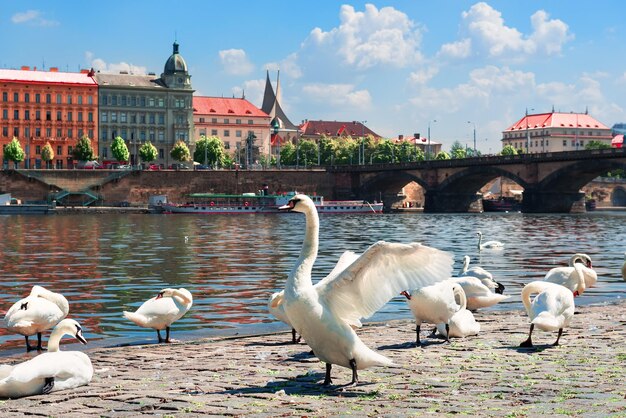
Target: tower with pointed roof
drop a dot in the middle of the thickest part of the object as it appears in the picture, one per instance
(271, 105)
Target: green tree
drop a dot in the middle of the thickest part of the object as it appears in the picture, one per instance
(508, 150)
(180, 152)
(147, 152)
(442, 155)
(328, 150)
(14, 152)
(47, 154)
(407, 153)
(307, 151)
(287, 154)
(597, 145)
(457, 150)
(385, 152)
(212, 148)
(83, 150)
(119, 149)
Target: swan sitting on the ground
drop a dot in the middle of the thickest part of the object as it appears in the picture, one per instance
(478, 295)
(551, 310)
(482, 274)
(570, 276)
(435, 304)
(39, 311)
(49, 372)
(462, 324)
(275, 304)
(324, 314)
(495, 245)
(162, 310)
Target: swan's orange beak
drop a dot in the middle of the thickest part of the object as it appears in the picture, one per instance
(288, 206)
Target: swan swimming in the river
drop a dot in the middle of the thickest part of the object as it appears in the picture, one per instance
(161, 311)
(482, 274)
(435, 304)
(493, 245)
(551, 310)
(39, 311)
(324, 314)
(49, 372)
(580, 264)
(478, 295)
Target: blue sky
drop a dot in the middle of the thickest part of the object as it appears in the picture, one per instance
(396, 64)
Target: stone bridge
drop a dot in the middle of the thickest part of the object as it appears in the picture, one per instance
(551, 181)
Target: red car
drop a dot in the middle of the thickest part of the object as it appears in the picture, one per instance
(154, 167)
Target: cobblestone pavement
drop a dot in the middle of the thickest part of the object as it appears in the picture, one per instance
(485, 375)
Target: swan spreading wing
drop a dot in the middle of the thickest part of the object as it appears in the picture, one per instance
(379, 274)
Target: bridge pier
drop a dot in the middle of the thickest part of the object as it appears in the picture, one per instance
(539, 201)
(441, 202)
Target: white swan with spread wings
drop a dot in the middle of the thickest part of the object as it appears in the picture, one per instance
(324, 314)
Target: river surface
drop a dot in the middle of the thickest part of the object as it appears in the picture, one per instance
(107, 263)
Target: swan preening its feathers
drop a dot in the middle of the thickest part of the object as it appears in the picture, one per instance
(325, 313)
(49, 372)
(161, 311)
(493, 245)
(39, 311)
(480, 273)
(478, 295)
(577, 277)
(551, 310)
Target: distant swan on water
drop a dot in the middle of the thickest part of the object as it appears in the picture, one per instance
(493, 245)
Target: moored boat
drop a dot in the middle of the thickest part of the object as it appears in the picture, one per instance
(502, 204)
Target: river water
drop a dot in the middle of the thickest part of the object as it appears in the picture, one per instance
(107, 263)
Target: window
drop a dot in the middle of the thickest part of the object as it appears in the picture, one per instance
(142, 101)
(48, 115)
(151, 118)
(151, 136)
(27, 115)
(124, 133)
(38, 149)
(69, 99)
(5, 131)
(142, 135)
(48, 98)
(565, 142)
(238, 134)
(201, 120)
(80, 133)
(214, 120)
(38, 132)
(133, 118)
(133, 101)
(227, 145)
(90, 100)
(59, 133)
(226, 121)
(226, 133)
(37, 98)
(123, 116)
(151, 102)
(142, 118)
(16, 114)
(27, 97)
(26, 132)
(113, 100)
(213, 132)
(5, 96)
(161, 136)
(48, 132)
(70, 133)
(16, 97)
(58, 99)
(37, 114)
(161, 119)
(69, 116)
(161, 153)
(80, 99)
(16, 131)
(80, 116)
(250, 122)
(573, 142)
(104, 134)
(105, 152)
(59, 115)
(90, 133)
(582, 143)
(238, 121)
(161, 102)
(124, 100)
(59, 150)
(104, 117)
(5, 114)
(69, 150)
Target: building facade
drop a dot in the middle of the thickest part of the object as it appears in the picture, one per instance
(142, 108)
(554, 132)
(40, 107)
(232, 120)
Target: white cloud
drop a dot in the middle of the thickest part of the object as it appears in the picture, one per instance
(101, 65)
(253, 90)
(369, 38)
(235, 62)
(338, 95)
(424, 75)
(459, 49)
(33, 17)
(288, 66)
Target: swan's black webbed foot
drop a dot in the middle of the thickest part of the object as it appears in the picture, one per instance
(529, 342)
(327, 379)
(556, 343)
(48, 385)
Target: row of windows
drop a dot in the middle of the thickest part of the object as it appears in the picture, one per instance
(142, 101)
(26, 114)
(141, 118)
(26, 97)
(37, 132)
(227, 121)
(522, 134)
(141, 135)
(105, 153)
(537, 143)
(226, 133)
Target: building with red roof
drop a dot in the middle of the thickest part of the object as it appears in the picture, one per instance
(554, 132)
(315, 129)
(40, 107)
(233, 120)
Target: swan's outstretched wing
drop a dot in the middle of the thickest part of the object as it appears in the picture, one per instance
(379, 274)
(344, 261)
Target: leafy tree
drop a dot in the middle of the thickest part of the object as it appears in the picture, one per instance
(457, 150)
(385, 152)
(119, 149)
(211, 147)
(180, 152)
(407, 153)
(597, 145)
(508, 150)
(14, 152)
(307, 151)
(288, 154)
(83, 150)
(47, 154)
(442, 155)
(328, 150)
(147, 152)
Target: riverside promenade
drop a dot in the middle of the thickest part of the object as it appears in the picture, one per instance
(265, 376)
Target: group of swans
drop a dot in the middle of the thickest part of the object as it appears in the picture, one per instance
(57, 370)
(325, 314)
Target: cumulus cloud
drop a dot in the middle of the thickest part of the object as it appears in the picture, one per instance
(235, 62)
(487, 34)
(253, 90)
(370, 38)
(424, 75)
(338, 95)
(288, 66)
(33, 17)
(101, 65)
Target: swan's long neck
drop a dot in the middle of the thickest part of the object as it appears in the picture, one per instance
(55, 339)
(300, 276)
(55, 298)
(529, 289)
(580, 277)
(466, 262)
(480, 239)
(460, 294)
(184, 297)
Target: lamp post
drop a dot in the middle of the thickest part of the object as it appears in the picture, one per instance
(474, 153)
(527, 132)
(428, 153)
(275, 129)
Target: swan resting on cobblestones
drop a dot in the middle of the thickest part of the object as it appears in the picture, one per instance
(324, 314)
(49, 372)
(478, 295)
(168, 306)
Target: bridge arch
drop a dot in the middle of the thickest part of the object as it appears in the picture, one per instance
(387, 185)
(618, 197)
(573, 177)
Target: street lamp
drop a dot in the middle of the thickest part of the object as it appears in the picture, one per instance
(527, 133)
(428, 153)
(275, 128)
(474, 154)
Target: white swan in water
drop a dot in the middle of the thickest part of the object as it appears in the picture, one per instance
(478, 295)
(435, 304)
(39, 311)
(494, 245)
(161, 311)
(462, 324)
(49, 372)
(324, 314)
(551, 310)
(275, 304)
(482, 274)
(580, 264)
